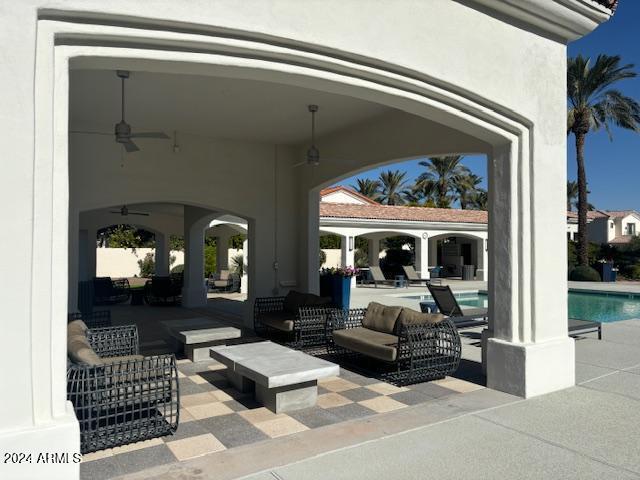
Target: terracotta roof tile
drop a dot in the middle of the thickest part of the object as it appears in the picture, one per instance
(398, 213)
(621, 240)
(620, 213)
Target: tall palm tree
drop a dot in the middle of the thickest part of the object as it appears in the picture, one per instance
(593, 104)
(367, 187)
(479, 200)
(572, 194)
(441, 177)
(467, 187)
(393, 187)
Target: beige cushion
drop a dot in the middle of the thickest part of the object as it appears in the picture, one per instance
(80, 351)
(123, 358)
(412, 317)
(368, 342)
(282, 320)
(224, 274)
(221, 283)
(77, 327)
(381, 317)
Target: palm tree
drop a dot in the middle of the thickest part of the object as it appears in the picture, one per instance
(466, 187)
(593, 104)
(479, 200)
(393, 188)
(368, 188)
(572, 194)
(441, 177)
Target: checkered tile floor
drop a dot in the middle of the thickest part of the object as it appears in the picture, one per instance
(215, 417)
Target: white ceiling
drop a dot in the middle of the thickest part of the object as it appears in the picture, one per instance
(211, 106)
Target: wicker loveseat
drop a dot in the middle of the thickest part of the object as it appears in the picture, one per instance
(162, 291)
(417, 346)
(108, 291)
(298, 319)
(119, 396)
(94, 319)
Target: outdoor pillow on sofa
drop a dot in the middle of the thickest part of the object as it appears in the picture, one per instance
(80, 351)
(412, 317)
(381, 318)
(372, 343)
(293, 301)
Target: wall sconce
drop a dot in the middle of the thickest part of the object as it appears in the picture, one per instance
(350, 244)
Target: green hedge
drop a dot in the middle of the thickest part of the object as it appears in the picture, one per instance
(584, 273)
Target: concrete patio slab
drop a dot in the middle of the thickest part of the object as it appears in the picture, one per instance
(622, 383)
(586, 372)
(603, 353)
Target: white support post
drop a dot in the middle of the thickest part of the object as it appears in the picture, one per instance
(92, 254)
(526, 349)
(194, 293)
(244, 282)
(374, 252)
(222, 253)
(162, 254)
(347, 258)
(482, 255)
(422, 256)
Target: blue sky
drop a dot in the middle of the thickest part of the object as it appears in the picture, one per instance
(613, 168)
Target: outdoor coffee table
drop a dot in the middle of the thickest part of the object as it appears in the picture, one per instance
(200, 333)
(283, 379)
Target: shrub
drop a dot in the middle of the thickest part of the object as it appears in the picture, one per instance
(147, 266)
(634, 272)
(178, 269)
(237, 264)
(322, 257)
(392, 263)
(361, 258)
(584, 273)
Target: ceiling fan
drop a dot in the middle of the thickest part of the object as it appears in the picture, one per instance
(313, 154)
(123, 131)
(124, 211)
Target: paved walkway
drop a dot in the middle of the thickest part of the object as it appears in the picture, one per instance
(589, 431)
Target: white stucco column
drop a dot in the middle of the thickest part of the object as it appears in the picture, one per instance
(374, 252)
(482, 254)
(527, 351)
(73, 262)
(347, 257)
(244, 282)
(162, 254)
(309, 239)
(433, 252)
(222, 252)
(194, 293)
(422, 255)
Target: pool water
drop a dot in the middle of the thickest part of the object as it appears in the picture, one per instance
(599, 307)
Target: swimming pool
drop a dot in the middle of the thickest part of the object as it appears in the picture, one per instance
(599, 307)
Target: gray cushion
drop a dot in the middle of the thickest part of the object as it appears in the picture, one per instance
(80, 351)
(412, 317)
(381, 317)
(282, 320)
(474, 312)
(368, 342)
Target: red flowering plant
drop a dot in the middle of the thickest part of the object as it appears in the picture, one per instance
(347, 271)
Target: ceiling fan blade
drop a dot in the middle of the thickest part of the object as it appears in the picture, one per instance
(150, 135)
(139, 213)
(87, 132)
(130, 147)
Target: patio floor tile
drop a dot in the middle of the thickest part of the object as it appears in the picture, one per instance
(101, 469)
(386, 388)
(197, 379)
(152, 442)
(195, 446)
(233, 430)
(336, 384)
(411, 397)
(332, 399)
(258, 415)
(90, 457)
(209, 410)
(315, 417)
(458, 385)
(186, 430)
(382, 404)
(185, 416)
(198, 399)
(351, 411)
(145, 458)
(359, 394)
(281, 426)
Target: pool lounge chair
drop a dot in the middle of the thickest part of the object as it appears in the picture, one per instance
(448, 305)
(413, 278)
(378, 277)
(580, 327)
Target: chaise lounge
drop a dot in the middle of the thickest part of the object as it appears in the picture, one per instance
(378, 277)
(448, 305)
(119, 396)
(418, 346)
(162, 291)
(107, 291)
(298, 320)
(413, 277)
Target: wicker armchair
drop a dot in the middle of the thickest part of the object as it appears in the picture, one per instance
(417, 352)
(108, 291)
(125, 397)
(95, 319)
(163, 291)
(301, 327)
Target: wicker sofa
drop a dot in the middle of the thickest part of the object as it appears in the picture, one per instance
(417, 346)
(119, 396)
(162, 291)
(298, 319)
(108, 291)
(94, 319)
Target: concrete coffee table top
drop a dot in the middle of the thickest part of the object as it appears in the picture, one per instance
(273, 365)
(200, 330)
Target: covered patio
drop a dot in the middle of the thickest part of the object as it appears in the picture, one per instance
(222, 103)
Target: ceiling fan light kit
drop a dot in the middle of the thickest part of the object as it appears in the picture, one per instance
(313, 154)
